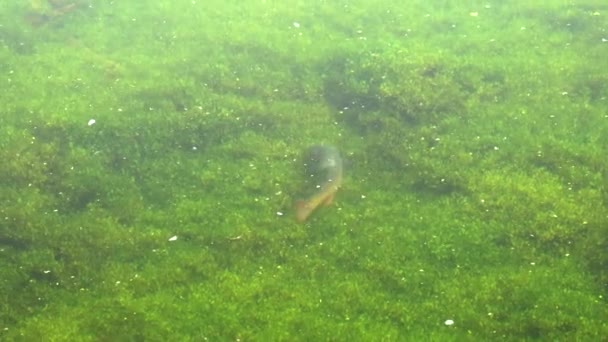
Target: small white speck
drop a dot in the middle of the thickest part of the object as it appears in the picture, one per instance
(362, 196)
(296, 24)
(91, 122)
(449, 322)
(173, 238)
(46, 271)
(279, 213)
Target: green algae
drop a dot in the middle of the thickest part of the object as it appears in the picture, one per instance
(474, 144)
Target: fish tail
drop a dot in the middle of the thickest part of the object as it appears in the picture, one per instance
(303, 210)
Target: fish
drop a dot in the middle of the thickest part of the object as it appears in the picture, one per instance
(323, 165)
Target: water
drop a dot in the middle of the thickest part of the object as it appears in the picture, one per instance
(151, 154)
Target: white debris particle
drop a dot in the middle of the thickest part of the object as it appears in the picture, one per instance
(46, 271)
(173, 238)
(91, 122)
(449, 322)
(296, 24)
(279, 213)
(362, 196)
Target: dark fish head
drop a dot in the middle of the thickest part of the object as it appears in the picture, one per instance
(321, 158)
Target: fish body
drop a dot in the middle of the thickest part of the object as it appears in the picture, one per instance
(324, 166)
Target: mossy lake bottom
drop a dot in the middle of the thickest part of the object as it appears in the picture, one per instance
(150, 155)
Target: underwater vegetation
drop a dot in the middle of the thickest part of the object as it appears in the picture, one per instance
(151, 155)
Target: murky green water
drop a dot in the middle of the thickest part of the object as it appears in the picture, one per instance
(150, 155)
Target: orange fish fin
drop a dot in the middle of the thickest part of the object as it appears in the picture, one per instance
(329, 199)
(303, 210)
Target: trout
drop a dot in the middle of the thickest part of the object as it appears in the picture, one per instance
(324, 166)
